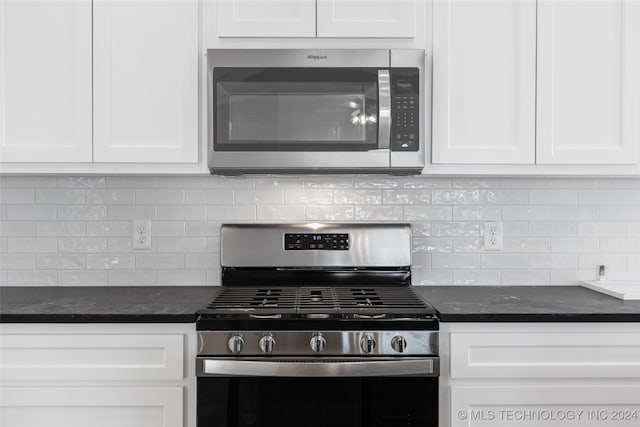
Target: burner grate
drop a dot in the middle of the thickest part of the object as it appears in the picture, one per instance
(308, 301)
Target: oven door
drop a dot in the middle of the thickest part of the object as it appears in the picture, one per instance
(316, 393)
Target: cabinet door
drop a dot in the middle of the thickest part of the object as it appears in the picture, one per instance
(45, 81)
(266, 18)
(91, 406)
(588, 85)
(145, 81)
(545, 405)
(484, 81)
(370, 18)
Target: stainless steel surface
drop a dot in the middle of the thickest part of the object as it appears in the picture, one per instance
(371, 245)
(374, 161)
(368, 343)
(405, 58)
(399, 343)
(267, 344)
(305, 58)
(314, 367)
(384, 109)
(235, 344)
(317, 343)
(337, 343)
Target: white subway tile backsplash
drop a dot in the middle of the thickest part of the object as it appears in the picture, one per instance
(421, 245)
(61, 261)
(526, 213)
(477, 213)
(17, 261)
(378, 213)
(455, 261)
(427, 213)
(553, 228)
(186, 212)
(553, 261)
(406, 197)
(360, 197)
(505, 261)
(293, 196)
(330, 212)
(16, 196)
(455, 229)
(31, 245)
(218, 196)
(110, 262)
(32, 277)
(109, 228)
(82, 244)
(84, 212)
(476, 278)
(553, 197)
(58, 196)
(280, 213)
(159, 261)
(17, 229)
(258, 197)
(111, 197)
(31, 212)
(73, 229)
(160, 197)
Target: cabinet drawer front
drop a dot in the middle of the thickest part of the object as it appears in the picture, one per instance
(91, 357)
(534, 355)
(602, 406)
(96, 407)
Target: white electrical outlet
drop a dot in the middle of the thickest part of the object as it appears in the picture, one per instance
(141, 234)
(493, 236)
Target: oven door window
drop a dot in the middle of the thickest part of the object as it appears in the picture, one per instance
(318, 402)
(300, 109)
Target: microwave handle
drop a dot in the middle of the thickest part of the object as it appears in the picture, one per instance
(384, 106)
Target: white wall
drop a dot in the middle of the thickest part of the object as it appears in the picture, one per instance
(70, 230)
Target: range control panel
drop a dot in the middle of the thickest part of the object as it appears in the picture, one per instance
(405, 112)
(316, 241)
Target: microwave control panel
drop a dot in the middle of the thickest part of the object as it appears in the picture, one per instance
(405, 109)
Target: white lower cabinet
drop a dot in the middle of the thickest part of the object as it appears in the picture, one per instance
(545, 374)
(140, 375)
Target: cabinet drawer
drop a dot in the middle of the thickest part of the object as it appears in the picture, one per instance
(543, 405)
(25, 357)
(546, 355)
(91, 406)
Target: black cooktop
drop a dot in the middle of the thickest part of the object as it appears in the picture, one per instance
(318, 302)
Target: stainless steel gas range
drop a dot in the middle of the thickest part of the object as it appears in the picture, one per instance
(317, 325)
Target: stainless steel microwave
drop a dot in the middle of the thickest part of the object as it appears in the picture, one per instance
(317, 111)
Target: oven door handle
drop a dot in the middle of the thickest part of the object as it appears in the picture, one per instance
(318, 368)
(384, 109)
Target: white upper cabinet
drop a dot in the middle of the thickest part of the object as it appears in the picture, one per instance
(317, 18)
(484, 82)
(45, 81)
(367, 18)
(588, 82)
(145, 81)
(266, 18)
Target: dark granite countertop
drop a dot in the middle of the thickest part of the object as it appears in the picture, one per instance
(527, 304)
(178, 304)
(135, 304)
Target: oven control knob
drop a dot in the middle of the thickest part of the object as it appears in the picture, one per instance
(399, 343)
(235, 344)
(267, 344)
(368, 343)
(317, 343)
